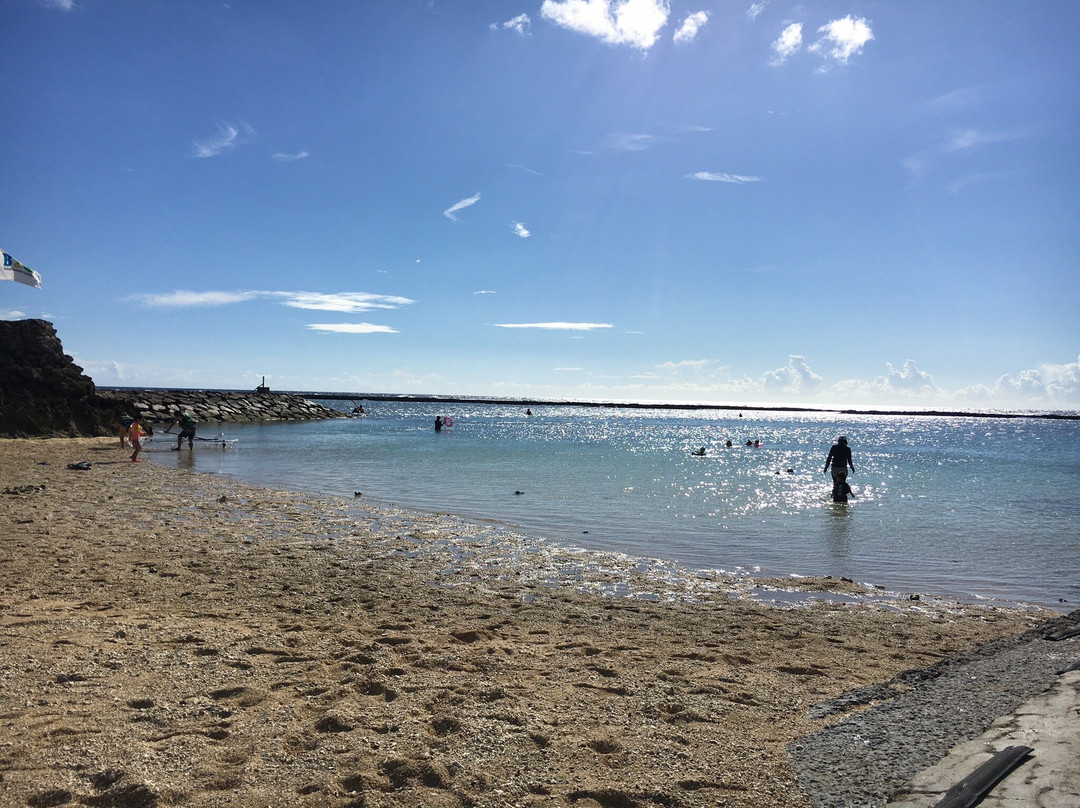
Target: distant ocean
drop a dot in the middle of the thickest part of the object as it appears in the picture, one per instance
(964, 507)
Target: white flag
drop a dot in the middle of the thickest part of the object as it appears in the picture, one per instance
(13, 270)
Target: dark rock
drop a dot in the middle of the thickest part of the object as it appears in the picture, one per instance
(43, 393)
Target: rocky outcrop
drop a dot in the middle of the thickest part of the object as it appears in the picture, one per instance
(43, 393)
(159, 406)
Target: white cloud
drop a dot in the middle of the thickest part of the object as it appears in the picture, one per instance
(568, 370)
(556, 326)
(902, 384)
(963, 139)
(521, 230)
(796, 378)
(686, 363)
(959, 142)
(788, 43)
(521, 24)
(12, 314)
(228, 136)
(956, 99)
(629, 142)
(464, 203)
(754, 10)
(709, 176)
(617, 22)
(182, 299)
(484, 292)
(347, 302)
(688, 31)
(63, 5)
(843, 38)
(352, 328)
(525, 168)
(288, 158)
(909, 378)
(1047, 384)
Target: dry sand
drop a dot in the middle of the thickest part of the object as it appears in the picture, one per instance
(172, 638)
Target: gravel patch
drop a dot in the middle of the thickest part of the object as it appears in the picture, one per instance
(914, 719)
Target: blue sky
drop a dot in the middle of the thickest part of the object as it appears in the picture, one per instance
(826, 203)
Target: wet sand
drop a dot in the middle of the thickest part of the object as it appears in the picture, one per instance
(172, 638)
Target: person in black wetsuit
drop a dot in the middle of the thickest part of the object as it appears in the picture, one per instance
(840, 460)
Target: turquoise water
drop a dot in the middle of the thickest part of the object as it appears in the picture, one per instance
(961, 507)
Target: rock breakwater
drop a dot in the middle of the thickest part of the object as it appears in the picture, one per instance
(159, 406)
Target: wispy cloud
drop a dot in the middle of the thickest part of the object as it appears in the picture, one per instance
(228, 137)
(288, 158)
(464, 203)
(710, 176)
(686, 363)
(521, 230)
(971, 138)
(346, 302)
(568, 370)
(484, 292)
(959, 142)
(557, 326)
(843, 38)
(787, 44)
(183, 299)
(63, 5)
(353, 328)
(961, 184)
(617, 22)
(11, 314)
(956, 99)
(524, 168)
(629, 142)
(688, 31)
(520, 24)
(754, 10)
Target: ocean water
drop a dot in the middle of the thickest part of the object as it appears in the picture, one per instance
(971, 508)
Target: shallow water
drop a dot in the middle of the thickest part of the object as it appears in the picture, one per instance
(963, 507)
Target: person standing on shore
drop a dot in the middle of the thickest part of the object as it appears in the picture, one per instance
(125, 426)
(840, 460)
(134, 433)
(187, 429)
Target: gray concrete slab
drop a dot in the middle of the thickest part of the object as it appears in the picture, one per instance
(1050, 778)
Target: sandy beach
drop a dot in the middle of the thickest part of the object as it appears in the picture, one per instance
(173, 638)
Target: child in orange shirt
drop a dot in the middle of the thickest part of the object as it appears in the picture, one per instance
(134, 433)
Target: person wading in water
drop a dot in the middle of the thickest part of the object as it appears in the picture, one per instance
(840, 460)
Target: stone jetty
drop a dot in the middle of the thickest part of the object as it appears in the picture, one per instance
(159, 406)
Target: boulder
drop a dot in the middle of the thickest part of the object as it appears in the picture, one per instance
(43, 393)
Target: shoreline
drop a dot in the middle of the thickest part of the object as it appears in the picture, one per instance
(190, 638)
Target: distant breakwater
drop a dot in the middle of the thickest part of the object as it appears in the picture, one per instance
(689, 406)
(159, 406)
